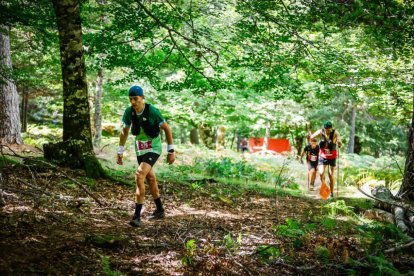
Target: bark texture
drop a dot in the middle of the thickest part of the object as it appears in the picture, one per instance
(298, 141)
(221, 135)
(24, 110)
(407, 188)
(76, 120)
(98, 108)
(351, 143)
(76, 149)
(266, 138)
(194, 136)
(10, 126)
(207, 135)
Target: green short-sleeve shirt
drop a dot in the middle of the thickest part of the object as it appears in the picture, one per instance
(144, 143)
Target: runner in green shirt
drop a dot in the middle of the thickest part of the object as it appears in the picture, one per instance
(145, 122)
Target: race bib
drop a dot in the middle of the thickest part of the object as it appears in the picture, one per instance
(144, 145)
(313, 158)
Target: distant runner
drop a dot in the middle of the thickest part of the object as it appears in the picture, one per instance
(329, 138)
(312, 153)
(244, 146)
(145, 122)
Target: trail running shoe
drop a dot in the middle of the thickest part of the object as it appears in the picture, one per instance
(332, 195)
(135, 222)
(157, 215)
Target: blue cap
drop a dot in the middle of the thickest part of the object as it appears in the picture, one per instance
(136, 91)
(327, 124)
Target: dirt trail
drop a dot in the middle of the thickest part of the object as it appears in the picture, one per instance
(46, 229)
(50, 226)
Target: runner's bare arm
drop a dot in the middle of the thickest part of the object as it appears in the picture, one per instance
(316, 134)
(123, 136)
(122, 140)
(169, 137)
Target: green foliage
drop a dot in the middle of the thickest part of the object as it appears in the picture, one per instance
(291, 229)
(38, 135)
(196, 185)
(122, 174)
(90, 182)
(106, 267)
(384, 170)
(339, 207)
(93, 168)
(4, 161)
(231, 244)
(322, 253)
(228, 168)
(268, 253)
(68, 183)
(190, 249)
(378, 265)
(328, 223)
(373, 235)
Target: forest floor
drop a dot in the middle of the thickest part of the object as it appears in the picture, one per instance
(49, 225)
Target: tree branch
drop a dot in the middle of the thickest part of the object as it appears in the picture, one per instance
(150, 48)
(171, 30)
(391, 202)
(188, 61)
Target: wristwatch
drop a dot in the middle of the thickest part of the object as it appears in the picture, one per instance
(171, 151)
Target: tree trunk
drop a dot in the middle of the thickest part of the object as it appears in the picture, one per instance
(10, 127)
(238, 142)
(183, 135)
(309, 128)
(98, 88)
(221, 135)
(266, 138)
(25, 102)
(194, 136)
(2, 202)
(76, 149)
(98, 108)
(298, 145)
(207, 136)
(407, 188)
(351, 144)
(358, 145)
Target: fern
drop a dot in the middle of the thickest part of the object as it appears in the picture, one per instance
(106, 267)
(189, 253)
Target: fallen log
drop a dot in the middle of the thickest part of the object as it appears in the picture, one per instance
(379, 214)
(386, 201)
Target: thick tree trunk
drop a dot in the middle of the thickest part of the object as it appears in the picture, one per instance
(10, 127)
(98, 108)
(76, 149)
(351, 144)
(25, 102)
(407, 188)
(194, 136)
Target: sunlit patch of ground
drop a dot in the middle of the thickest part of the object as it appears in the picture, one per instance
(45, 227)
